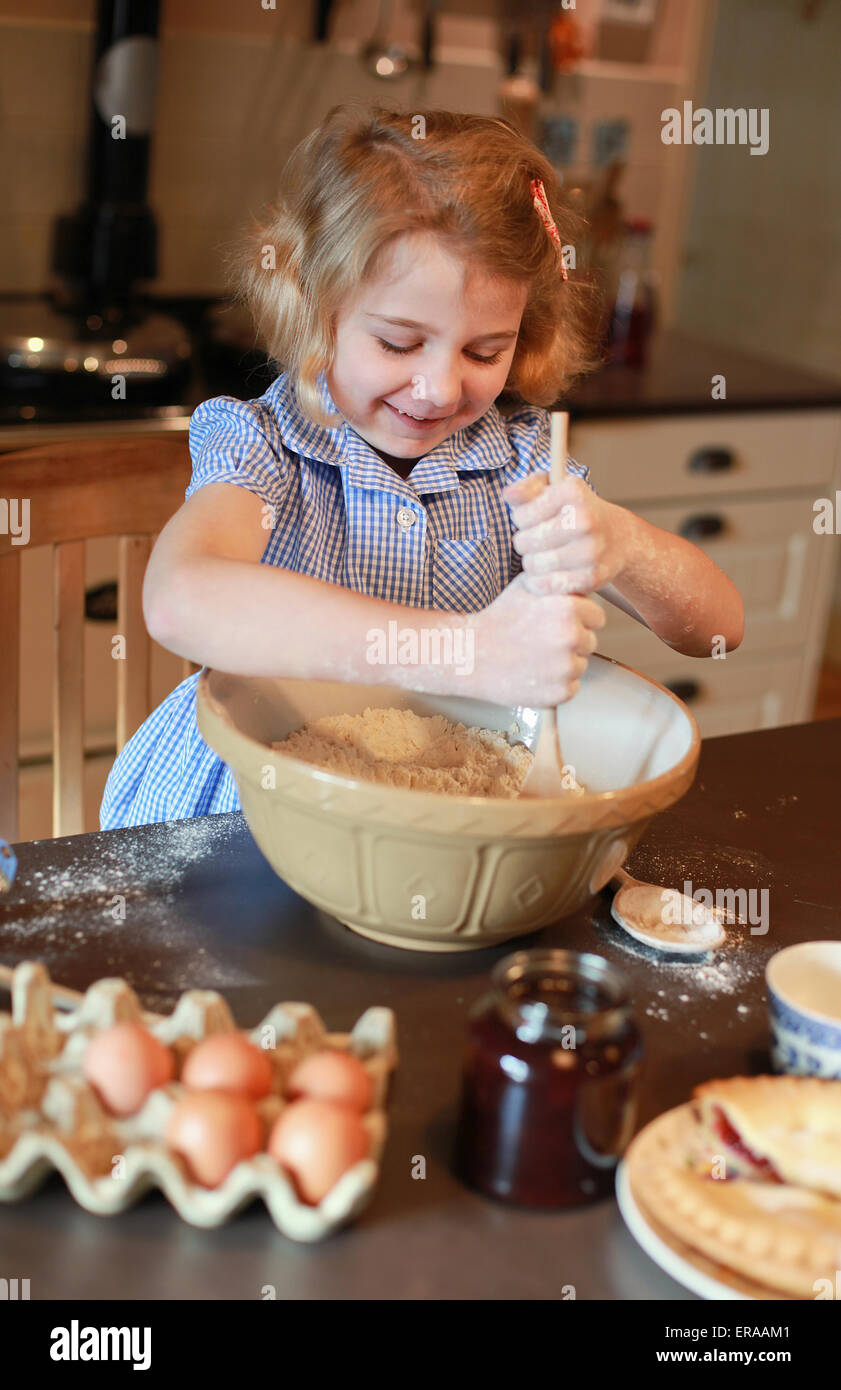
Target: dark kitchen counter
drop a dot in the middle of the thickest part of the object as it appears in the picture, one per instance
(205, 910)
(678, 377)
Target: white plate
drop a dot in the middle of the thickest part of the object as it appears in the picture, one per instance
(684, 1270)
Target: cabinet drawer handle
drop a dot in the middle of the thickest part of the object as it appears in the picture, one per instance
(101, 603)
(685, 690)
(711, 460)
(697, 528)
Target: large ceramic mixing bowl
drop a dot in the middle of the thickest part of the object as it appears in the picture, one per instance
(435, 872)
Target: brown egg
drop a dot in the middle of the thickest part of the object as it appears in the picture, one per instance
(335, 1076)
(316, 1142)
(213, 1131)
(228, 1062)
(123, 1064)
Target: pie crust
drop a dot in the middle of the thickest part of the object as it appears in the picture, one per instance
(793, 1122)
(780, 1236)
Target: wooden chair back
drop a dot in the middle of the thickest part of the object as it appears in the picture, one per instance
(77, 491)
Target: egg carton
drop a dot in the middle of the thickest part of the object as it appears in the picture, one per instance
(51, 1118)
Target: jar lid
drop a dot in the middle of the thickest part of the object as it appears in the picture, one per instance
(642, 226)
(542, 991)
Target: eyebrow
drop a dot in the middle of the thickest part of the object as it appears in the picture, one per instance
(412, 323)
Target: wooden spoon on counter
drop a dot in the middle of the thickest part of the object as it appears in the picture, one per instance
(544, 777)
(692, 927)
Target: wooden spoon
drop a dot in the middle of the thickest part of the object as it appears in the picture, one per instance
(638, 907)
(544, 777)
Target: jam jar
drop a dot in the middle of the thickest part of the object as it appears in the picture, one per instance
(550, 1080)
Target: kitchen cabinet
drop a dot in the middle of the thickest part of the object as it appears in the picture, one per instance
(753, 515)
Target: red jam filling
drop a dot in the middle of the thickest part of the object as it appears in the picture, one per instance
(730, 1137)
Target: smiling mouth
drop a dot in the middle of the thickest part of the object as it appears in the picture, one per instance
(418, 419)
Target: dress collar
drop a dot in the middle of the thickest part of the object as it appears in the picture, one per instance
(482, 445)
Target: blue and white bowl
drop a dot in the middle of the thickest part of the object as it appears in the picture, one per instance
(804, 1006)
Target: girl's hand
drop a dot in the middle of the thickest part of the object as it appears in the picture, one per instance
(571, 541)
(532, 651)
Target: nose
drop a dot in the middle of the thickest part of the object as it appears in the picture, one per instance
(440, 384)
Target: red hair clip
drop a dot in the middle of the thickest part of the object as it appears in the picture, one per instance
(541, 203)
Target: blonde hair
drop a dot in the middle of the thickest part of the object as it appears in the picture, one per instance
(367, 175)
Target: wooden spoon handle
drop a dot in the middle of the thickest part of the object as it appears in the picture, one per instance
(544, 775)
(558, 449)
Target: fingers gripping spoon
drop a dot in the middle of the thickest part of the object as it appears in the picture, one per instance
(544, 777)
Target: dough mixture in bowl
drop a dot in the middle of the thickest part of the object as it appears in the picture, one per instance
(404, 749)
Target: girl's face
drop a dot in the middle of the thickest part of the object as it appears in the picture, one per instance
(429, 337)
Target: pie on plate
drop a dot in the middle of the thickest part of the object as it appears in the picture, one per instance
(749, 1176)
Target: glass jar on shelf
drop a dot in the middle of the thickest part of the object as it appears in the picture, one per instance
(632, 296)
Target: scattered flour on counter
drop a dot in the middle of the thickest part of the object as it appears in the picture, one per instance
(727, 971)
(733, 968)
(145, 873)
(157, 860)
(403, 749)
(719, 976)
(723, 975)
(662, 1014)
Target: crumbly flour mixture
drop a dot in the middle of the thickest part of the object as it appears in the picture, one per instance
(404, 749)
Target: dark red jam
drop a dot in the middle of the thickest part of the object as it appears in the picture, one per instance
(550, 1080)
(733, 1141)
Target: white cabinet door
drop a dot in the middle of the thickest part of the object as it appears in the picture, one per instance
(767, 547)
(732, 695)
(649, 460)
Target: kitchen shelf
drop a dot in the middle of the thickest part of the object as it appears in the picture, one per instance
(610, 70)
(460, 55)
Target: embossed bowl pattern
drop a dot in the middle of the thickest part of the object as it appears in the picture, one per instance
(430, 871)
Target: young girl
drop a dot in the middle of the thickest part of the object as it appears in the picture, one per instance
(409, 277)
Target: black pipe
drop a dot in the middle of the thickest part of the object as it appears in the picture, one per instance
(110, 242)
(322, 20)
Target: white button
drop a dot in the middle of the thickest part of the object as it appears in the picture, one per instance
(405, 518)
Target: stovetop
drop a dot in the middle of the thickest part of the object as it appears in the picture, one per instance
(59, 368)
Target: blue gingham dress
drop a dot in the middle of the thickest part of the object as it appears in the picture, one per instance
(440, 539)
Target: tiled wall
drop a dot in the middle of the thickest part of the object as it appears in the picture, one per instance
(238, 87)
(783, 298)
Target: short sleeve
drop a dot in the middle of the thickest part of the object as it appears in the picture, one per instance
(529, 434)
(233, 441)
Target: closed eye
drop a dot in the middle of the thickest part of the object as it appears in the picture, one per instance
(475, 356)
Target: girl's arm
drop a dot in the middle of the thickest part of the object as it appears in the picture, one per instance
(572, 541)
(675, 588)
(206, 596)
